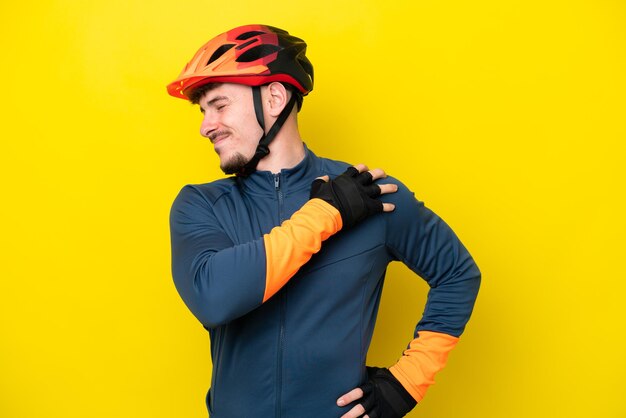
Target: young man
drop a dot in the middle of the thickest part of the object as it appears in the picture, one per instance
(284, 262)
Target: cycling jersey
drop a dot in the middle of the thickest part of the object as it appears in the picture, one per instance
(290, 300)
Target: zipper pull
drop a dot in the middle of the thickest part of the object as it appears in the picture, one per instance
(277, 181)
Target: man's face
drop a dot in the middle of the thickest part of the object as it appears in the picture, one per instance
(230, 123)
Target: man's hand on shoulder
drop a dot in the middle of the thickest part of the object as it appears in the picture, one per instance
(354, 193)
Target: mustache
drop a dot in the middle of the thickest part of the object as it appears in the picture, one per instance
(217, 134)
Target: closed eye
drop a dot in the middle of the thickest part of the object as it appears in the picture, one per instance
(216, 105)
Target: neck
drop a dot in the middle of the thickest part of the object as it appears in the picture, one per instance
(286, 150)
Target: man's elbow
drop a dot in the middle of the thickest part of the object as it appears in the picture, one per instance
(210, 313)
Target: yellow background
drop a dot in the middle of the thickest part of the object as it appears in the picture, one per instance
(506, 117)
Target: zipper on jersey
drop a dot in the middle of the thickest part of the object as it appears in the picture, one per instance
(283, 302)
(279, 194)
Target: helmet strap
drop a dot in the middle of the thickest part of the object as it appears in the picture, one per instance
(258, 106)
(263, 148)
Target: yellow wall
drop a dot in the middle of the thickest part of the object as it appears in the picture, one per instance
(505, 117)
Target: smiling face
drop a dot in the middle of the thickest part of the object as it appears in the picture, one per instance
(230, 123)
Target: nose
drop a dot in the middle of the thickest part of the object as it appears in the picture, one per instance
(208, 125)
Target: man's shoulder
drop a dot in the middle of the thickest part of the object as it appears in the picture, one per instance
(337, 167)
(209, 192)
(331, 167)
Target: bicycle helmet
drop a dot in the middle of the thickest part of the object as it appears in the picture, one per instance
(253, 55)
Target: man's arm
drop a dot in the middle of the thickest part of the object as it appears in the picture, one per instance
(428, 246)
(220, 281)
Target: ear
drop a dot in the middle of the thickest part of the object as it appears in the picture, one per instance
(276, 98)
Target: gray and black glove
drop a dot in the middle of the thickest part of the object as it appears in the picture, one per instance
(354, 195)
(384, 396)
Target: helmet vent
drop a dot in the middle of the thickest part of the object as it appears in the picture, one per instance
(245, 44)
(258, 52)
(250, 34)
(219, 52)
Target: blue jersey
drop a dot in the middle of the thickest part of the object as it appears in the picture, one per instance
(290, 300)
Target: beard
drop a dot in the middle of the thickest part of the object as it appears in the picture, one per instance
(234, 165)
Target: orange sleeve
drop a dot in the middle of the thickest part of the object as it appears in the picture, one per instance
(291, 245)
(426, 355)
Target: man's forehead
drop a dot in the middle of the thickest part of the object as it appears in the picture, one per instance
(226, 90)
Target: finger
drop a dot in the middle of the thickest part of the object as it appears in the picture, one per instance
(373, 190)
(388, 207)
(388, 188)
(351, 396)
(355, 412)
(361, 167)
(364, 178)
(325, 178)
(378, 173)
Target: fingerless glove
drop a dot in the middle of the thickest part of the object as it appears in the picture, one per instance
(384, 396)
(354, 195)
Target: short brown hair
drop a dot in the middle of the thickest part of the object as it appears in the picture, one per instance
(196, 94)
